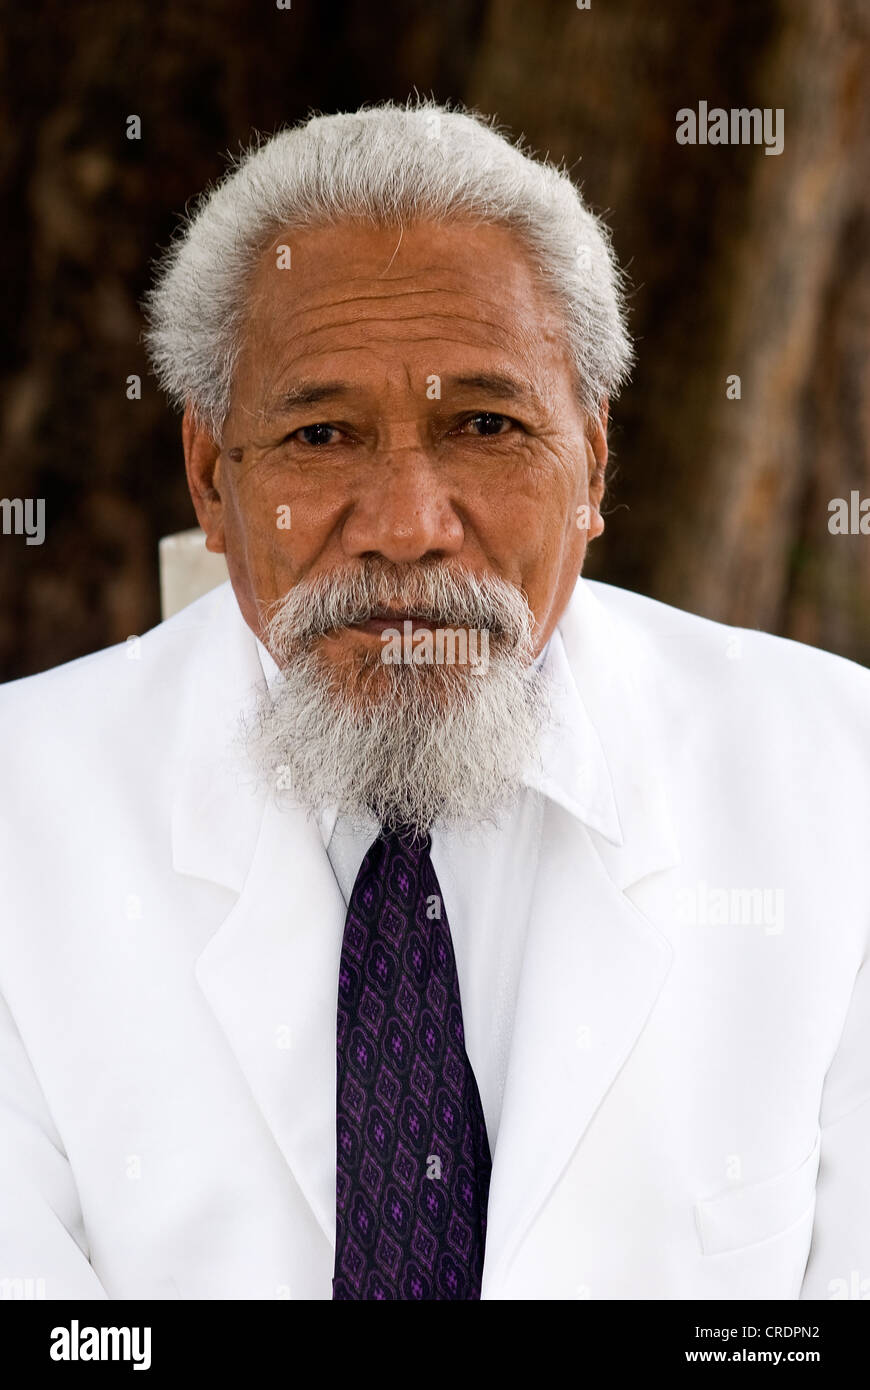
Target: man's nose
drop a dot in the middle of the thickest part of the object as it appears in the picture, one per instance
(404, 513)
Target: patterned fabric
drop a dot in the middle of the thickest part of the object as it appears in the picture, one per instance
(413, 1160)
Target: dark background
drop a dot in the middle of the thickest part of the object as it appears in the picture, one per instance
(740, 263)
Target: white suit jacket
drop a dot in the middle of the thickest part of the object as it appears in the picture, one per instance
(687, 1105)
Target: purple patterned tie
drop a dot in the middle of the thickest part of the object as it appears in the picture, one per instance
(413, 1155)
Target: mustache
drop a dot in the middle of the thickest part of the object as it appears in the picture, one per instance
(440, 593)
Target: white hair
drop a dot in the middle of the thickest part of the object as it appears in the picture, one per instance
(402, 744)
(381, 165)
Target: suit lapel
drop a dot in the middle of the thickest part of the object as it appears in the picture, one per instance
(271, 976)
(270, 969)
(594, 964)
(593, 968)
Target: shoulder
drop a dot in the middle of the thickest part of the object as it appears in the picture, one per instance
(114, 686)
(731, 698)
(733, 660)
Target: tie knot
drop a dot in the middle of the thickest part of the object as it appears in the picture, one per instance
(413, 841)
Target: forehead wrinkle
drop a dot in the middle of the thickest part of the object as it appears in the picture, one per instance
(329, 307)
(375, 282)
(456, 290)
(323, 300)
(510, 334)
(427, 328)
(386, 290)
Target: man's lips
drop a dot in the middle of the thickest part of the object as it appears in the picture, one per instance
(394, 622)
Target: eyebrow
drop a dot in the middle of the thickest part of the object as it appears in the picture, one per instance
(306, 393)
(498, 385)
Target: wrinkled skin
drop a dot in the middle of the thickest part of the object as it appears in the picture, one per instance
(489, 477)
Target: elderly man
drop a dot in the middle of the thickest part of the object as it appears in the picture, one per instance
(411, 918)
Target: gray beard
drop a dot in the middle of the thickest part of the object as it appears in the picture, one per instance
(402, 744)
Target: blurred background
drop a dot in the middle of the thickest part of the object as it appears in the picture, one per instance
(741, 264)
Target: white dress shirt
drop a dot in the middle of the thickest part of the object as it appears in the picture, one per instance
(486, 876)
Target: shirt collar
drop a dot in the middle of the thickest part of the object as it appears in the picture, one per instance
(572, 769)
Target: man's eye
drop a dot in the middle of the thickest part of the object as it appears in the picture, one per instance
(316, 434)
(486, 423)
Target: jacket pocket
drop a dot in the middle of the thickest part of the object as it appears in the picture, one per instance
(748, 1215)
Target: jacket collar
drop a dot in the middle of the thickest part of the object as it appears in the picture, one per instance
(601, 761)
(217, 807)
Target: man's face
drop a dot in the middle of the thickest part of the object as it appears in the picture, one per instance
(406, 399)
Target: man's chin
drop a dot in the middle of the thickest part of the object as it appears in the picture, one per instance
(359, 678)
(400, 741)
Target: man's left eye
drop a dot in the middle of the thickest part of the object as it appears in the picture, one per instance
(487, 423)
(316, 434)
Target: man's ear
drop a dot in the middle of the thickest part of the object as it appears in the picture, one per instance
(202, 463)
(597, 436)
(596, 463)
